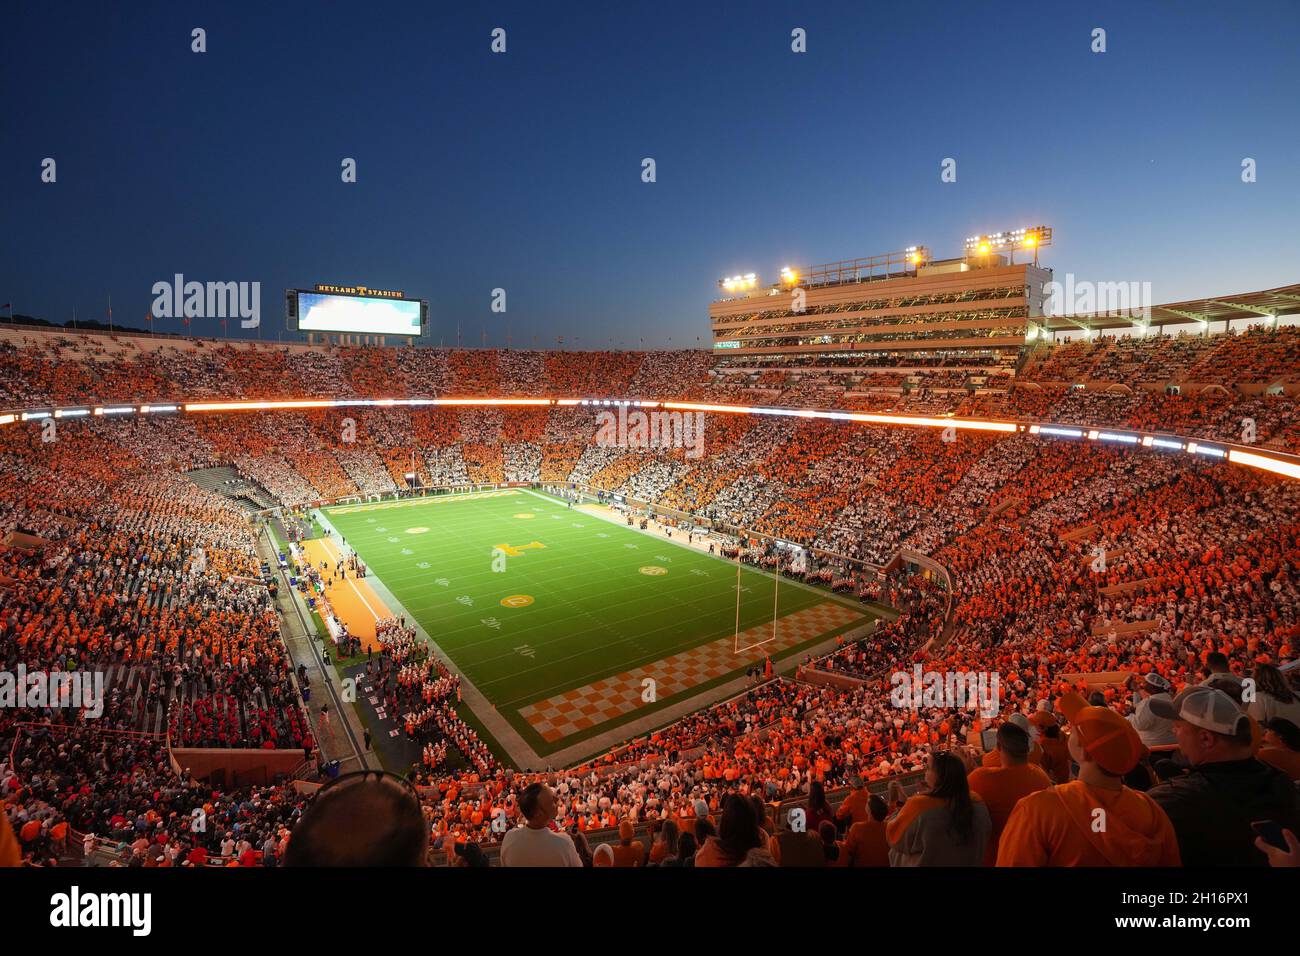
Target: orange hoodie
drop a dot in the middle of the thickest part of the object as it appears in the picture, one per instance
(10, 854)
(1060, 827)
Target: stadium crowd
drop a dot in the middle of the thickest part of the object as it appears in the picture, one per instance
(1103, 587)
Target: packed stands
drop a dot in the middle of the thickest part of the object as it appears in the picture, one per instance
(1070, 567)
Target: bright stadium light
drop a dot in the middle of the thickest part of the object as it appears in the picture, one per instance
(1026, 237)
(1285, 465)
(739, 283)
(1265, 462)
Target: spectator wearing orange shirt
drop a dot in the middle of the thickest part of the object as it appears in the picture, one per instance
(1056, 755)
(854, 808)
(1042, 717)
(10, 854)
(1094, 820)
(629, 852)
(993, 759)
(866, 843)
(795, 846)
(1002, 787)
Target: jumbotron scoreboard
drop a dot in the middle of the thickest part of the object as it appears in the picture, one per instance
(356, 313)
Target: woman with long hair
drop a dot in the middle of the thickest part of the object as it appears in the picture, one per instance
(582, 846)
(819, 808)
(944, 825)
(685, 855)
(738, 833)
(666, 836)
(1274, 697)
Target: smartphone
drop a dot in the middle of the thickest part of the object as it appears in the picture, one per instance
(989, 740)
(1271, 831)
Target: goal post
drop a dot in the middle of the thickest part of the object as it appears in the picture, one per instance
(760, 634)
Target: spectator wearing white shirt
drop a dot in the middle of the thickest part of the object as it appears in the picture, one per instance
(1274, 697)
(534, 843)
(1155, 731)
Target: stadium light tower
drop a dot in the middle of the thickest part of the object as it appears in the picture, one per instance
(739, 283)
(1028, 238)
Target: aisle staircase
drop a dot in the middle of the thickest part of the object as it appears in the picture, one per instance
(226, 481)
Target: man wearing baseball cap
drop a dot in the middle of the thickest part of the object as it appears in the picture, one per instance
(1213, 804)
(1154, 730)
(854, 808)
(1094, 820)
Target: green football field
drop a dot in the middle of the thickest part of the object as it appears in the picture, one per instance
(533, 600)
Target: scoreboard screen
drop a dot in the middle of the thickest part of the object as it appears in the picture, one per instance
(365, 315)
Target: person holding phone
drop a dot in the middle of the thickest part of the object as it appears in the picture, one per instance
(1213, 804)
(1280, 845)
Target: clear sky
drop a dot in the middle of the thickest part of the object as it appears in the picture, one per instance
(522, 170)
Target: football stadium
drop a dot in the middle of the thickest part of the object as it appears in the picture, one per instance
(938, 556)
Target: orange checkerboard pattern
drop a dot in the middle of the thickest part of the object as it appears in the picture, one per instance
(612, 697)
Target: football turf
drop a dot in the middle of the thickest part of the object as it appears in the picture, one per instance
(573, 597)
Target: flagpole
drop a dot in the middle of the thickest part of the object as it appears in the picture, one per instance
(737, 643)
(776, 583)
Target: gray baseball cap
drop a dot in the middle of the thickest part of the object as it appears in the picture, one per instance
(1206, 707)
